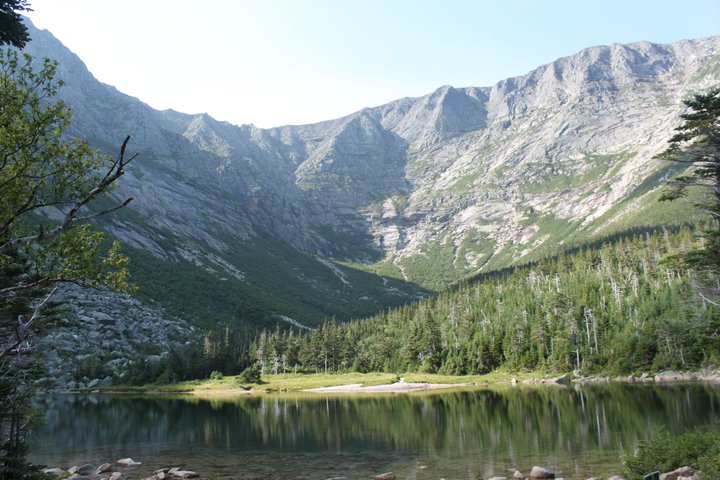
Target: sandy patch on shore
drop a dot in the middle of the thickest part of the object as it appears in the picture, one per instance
(220, 393)
(397, 387)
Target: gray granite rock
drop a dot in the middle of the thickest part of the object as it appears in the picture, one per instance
(541, 473)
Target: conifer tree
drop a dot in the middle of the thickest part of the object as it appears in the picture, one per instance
(697, 143)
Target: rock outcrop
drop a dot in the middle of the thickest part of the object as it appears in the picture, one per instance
(103, 332)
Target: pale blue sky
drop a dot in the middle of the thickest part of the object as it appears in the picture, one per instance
(277, 62)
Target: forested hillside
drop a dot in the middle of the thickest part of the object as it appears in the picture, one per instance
(625, 305)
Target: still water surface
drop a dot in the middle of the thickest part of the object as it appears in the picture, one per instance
(579, 431)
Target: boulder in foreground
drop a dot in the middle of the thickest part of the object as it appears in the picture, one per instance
(676, 474)
(541, 473)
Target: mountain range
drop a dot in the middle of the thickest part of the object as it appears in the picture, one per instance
(348, 217)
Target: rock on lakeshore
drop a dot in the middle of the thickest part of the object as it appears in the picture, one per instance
(82, 470)
(53, 471)
(176, 472)
(91, 472)
(386, 476)
(561, 380)
(670, 376)
(540, 473)
(678, 473)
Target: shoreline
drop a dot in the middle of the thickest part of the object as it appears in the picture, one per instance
(389, 383)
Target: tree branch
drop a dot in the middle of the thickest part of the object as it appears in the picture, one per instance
(21, 330)
(116, 170)
(707, 299)
(44, 281)
(105, 212)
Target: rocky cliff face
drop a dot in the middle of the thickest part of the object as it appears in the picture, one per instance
(493, 174)
(543, 156)
(467, 179)
(426, 190)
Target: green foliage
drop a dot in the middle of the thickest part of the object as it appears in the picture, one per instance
(551, 177)
(642, 208)
(91, 367)
(434, 266)
(78, 255)
(220, 352)
(41, 170)
(44, 169)
(250, 375)
(612, 307)
(12, 29)
(297, 285)
(666, 452)
(16, 415)
(697, 144)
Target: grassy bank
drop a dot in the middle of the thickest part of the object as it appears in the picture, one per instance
(290, 382)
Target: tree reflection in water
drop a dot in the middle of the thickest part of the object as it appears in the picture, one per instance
(580, 431)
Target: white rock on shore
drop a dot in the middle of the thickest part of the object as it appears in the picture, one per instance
(91, 472)
(682, 472)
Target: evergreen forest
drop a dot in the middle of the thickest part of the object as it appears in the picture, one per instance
(626, 305)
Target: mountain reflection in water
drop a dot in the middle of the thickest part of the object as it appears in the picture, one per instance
(580, 431)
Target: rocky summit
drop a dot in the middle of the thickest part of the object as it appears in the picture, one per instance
(347, 217)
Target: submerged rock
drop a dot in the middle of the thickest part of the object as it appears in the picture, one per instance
(128, 462)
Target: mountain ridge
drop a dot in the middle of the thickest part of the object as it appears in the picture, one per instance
(424, 190)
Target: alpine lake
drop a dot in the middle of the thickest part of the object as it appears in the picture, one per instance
(579, 431)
